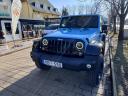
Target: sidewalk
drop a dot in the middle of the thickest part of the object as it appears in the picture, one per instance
(9, 47)
(120, 60)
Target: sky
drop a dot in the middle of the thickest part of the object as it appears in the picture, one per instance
(127, 16)
(60, 3)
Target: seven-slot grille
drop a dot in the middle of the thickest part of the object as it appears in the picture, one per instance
(60, 46)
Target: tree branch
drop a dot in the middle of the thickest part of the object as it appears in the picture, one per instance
(112, 2)
(126, 12)
(126, 5)
(117, 9)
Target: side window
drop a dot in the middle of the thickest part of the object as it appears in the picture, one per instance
(8, 28)
(33, 3)
(41, 6)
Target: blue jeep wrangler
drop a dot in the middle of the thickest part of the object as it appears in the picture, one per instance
(78, 45)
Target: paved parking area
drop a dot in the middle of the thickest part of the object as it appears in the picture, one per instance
(20, 77)
(8, 48)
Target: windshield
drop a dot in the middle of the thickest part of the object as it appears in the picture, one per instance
(52, 27)
(79, 22)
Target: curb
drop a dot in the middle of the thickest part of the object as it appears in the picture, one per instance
(16, 50)
(114, 89)
(113, 80)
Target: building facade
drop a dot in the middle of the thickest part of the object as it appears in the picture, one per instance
(32, 17)
(38, 10)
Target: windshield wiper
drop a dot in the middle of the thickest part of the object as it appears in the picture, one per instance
(83, 28)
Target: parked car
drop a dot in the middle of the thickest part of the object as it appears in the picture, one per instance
(51, 28)
(78, 45)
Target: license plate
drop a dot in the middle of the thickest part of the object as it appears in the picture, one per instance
(53, 63)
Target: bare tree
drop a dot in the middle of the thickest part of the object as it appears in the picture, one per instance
(72, 10)
(96, 6)
(121, 8)
(92, 8)
(112, 18)
(81, 9)
(65, 11)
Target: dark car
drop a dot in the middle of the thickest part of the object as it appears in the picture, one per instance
(78, 45)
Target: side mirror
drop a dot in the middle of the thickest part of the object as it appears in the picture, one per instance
(105, 28)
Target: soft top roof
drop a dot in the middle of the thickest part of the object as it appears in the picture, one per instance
(83, 15)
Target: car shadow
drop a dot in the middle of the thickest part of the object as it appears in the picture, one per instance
(55, 82)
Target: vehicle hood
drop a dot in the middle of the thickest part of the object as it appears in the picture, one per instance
(82, 34)
(48, 31)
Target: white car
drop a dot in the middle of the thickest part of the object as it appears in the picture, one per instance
(51, 28)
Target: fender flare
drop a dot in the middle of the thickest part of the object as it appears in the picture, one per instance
(93, 49)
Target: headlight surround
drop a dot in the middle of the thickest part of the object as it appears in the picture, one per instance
(94, 42)
(79, 45)
(45, 42)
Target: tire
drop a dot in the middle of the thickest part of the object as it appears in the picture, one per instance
(42, 66)
(94, 76)
(103, 49)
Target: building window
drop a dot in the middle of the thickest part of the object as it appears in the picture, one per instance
(54, 9)
(8, 29)
(41, 6)
(33, 3)
(48, 8)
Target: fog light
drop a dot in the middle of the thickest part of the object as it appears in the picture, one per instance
(88, 66)
(80, 53)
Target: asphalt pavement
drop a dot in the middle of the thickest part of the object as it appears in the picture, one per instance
(20, 77)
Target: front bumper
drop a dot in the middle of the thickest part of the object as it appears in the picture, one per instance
(71, 63)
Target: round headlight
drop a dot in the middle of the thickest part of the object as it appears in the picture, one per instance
(79, 45)
(45, 42)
